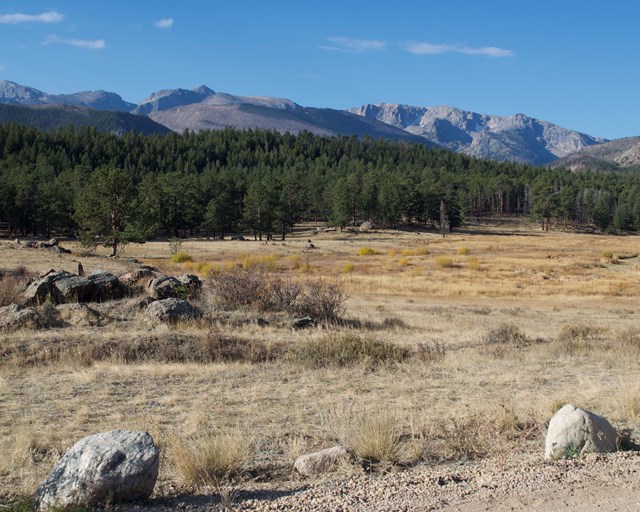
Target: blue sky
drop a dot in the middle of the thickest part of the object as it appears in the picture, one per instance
(573, 63)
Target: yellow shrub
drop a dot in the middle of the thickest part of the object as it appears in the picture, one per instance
(463, 251)
(473, 264)
(181, 257)
(367, 251)
(403, 262)
(348, 268)
(444, 262)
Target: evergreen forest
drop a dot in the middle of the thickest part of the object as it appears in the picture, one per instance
(112, 189)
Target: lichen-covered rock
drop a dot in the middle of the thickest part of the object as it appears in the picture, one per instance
(171, 310)
(324, 461)
(573, 431)
(163, 287)
(16, 316)
(118, 466)
(73, 288)
(106, 286)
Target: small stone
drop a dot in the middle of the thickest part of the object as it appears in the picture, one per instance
(324, 461)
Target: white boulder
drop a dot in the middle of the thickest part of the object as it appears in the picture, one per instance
(118, 466)
(573, 431)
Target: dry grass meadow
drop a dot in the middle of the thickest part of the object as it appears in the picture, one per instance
(480, 337)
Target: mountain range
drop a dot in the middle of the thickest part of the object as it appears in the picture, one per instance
(516, 138)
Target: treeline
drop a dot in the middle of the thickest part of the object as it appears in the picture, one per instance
(264, 182)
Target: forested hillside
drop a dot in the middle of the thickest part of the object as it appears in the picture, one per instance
(88, 183)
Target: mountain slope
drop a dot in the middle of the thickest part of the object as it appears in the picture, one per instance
(615, 155)
(220, 110)
(518, 138)
(48, 117)
(16, 94)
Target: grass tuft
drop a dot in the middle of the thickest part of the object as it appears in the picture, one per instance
(214, 459)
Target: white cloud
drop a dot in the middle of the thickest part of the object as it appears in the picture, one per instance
(95, 44)
(45, 17)
(345, 44)
(438, 49)
(164, 23)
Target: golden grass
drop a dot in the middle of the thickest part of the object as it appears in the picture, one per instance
(465, 397)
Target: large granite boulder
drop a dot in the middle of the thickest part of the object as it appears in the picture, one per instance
(117, 466)
(573, 432)
(171, 310)
(16, 316)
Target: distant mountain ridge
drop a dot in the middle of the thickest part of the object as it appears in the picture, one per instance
(518, 138)
(16, 94)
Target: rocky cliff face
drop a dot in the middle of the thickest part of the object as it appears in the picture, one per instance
(611, 156)
(518, 138)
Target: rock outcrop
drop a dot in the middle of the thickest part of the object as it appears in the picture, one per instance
(61, 287)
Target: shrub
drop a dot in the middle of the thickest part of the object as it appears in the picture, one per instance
(431, 352)
(11, 288)
(212, 459)
(629, 339)
(463, 251)
(574, 338)
(607, 254)
(367, 251)
(348, 268)
(444, 262)
(505, 334)
(340, 350)
(323, 301)
(181, 257)
(473, 263)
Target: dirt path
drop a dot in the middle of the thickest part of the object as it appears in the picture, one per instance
(595, 482)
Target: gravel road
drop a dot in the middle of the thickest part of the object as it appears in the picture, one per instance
(594, 482)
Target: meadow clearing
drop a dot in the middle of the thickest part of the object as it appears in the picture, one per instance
(448, 349)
